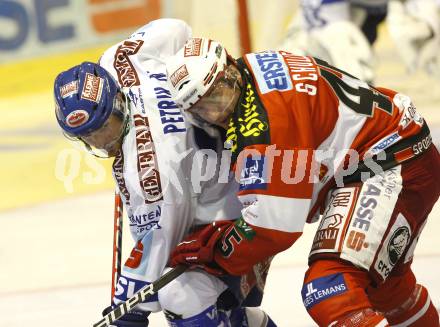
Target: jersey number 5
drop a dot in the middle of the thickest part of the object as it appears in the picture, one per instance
(227, 245)
(354, 93)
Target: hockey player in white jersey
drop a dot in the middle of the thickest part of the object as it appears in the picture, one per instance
(343, 32)
(122, 108)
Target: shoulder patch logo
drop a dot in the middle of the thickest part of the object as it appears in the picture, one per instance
(398, 243)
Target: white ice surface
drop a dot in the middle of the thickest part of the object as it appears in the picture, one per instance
(53, 279)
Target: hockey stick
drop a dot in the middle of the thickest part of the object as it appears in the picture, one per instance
(140, 296)
(117, 242)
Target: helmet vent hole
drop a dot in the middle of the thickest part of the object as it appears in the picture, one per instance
(183, 84)
(211, 74)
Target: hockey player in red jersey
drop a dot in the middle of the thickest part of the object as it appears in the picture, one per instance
(309, 140)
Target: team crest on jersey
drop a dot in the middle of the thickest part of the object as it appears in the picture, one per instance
(271, 72)
(77, 118)
(92, 89)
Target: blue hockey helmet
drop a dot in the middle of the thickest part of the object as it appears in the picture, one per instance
(84, 98)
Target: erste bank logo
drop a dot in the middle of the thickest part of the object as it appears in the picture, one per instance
(270, 71)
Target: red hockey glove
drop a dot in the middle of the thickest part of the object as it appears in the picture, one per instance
(197, 249)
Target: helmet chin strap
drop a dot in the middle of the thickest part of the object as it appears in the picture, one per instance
(93, 152)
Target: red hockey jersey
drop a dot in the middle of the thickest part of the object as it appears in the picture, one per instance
(300, 128)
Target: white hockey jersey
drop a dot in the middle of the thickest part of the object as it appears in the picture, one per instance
(159, 159)
(317, 14)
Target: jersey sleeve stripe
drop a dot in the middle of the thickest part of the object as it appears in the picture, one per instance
(273, 212)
